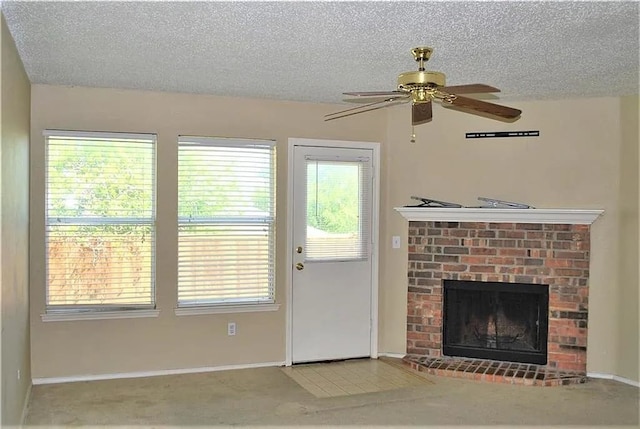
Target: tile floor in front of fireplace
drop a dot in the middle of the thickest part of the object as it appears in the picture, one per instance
(493, 371)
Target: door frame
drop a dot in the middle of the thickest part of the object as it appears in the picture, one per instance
(375, 227)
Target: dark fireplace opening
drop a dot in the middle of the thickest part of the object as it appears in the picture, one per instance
(492, 320)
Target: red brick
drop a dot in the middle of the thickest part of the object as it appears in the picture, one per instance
(569, 236)
(570, 255)
(511, 270)
(473, 259)
(537, 271)
(561, 245)
(580, 228)
(511, 234)
(529, 226)
(459, 232)
(455, 250)
(561, 357)
(558, 263)
(482, 269)
(483, 251)
(553, 347)
(573, 366)
(456, 267)
(490, 378)
(498, 260)
(446, 241)
(535, 235)
(537, 253)
(567, 272)
(502, 243)
(561, 227)
(512, 252)
(501, 225)
(473, 225)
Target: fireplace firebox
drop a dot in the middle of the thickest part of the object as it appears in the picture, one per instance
(494, 320)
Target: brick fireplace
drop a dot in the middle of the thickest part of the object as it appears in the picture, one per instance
(507, 246)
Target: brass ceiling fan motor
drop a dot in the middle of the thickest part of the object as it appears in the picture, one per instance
(421, 79)
(421, 87)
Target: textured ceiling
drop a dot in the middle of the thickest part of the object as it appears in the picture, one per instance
(313, 51)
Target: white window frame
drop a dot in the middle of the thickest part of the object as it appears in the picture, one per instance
(55, 312)
(235, 304)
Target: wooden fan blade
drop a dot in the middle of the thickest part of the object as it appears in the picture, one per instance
(421, 113)
(392, 101)
(473, 88)
(373, 93)
(484, 107)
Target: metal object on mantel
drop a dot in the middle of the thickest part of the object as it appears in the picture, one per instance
(428, 202)
(501, 204)
(490, 203)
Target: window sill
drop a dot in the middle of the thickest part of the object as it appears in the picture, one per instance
(98, 315)
(222, 309)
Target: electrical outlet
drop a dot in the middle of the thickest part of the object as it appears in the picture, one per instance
(395, 241)
(231, 328)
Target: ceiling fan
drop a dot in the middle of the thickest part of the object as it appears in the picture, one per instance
(420, 88)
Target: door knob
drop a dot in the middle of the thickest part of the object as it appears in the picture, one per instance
(299, 266)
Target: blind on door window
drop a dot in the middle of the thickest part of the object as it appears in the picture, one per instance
(338, 209)
(226, 221)
(100, 211)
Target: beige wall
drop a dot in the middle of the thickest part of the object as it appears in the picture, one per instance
(575, 163)
(62, 349)
(15, 231)
(629, 281)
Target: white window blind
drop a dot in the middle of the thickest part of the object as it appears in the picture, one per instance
(338, 207)
(226, 221)
(100, 211)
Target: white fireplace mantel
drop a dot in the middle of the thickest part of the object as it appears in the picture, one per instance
(473, 214)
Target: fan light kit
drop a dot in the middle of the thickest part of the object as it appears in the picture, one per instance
(420, 88)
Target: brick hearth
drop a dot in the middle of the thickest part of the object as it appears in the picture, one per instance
(494, 371)
(556, 255)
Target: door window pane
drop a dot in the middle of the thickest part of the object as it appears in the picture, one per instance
(337, 198)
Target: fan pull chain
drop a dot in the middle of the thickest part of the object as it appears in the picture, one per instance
(413, 134)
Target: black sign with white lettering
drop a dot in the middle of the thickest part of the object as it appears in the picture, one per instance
(494, 134)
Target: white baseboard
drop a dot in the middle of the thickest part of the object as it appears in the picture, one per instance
(392, 355)
(25, 407)
(613, 377)
(95, 377)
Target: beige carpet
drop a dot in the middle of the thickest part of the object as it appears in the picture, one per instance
(269, 397)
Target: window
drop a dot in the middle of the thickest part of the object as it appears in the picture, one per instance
(338, 200)
(226, 221)
(100, 212)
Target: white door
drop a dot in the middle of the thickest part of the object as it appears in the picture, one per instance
(332, 245)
